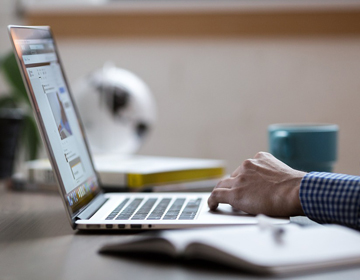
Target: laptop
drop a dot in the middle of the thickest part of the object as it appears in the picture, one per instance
(87, 206)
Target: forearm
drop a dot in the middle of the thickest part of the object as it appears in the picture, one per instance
(331, 198)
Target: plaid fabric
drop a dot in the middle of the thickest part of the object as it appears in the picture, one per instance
(331, 198)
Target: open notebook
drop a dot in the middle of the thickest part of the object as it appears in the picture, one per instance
(300, 249)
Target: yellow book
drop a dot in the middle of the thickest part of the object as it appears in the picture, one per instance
(141, 180)
(136, 172)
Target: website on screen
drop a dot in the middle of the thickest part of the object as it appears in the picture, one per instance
(59, 118)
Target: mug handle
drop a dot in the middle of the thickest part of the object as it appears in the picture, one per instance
(281, 145)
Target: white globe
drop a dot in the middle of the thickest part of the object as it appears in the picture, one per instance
(117, 109)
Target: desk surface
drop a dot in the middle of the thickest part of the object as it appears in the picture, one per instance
(37, 242)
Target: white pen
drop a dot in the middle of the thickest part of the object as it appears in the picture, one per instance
(265, 224)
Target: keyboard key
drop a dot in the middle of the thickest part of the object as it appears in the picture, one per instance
(117, 209)
(130, 209)
(144, 210)
(159, 210)
(174, 210)
(190, 209)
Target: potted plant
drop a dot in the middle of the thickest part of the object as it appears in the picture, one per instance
(18, 129)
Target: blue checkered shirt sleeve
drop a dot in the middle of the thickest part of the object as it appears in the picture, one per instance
(331, 198)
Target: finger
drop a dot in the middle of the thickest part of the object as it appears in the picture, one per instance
(227, 183)
(218, 196)
(261, 155)
(245, 166)
(237, 171)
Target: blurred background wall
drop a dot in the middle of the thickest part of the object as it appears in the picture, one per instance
(216, 95)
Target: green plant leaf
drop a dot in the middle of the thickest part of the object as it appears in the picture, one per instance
(7, 101)
(12, 74)
(18, 98)
(12, 100)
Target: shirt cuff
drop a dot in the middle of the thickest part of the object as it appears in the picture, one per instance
(331, 198)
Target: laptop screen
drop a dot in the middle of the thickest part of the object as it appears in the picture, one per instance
(56, 115)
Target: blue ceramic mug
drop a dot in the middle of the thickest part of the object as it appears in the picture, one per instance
(306, 147)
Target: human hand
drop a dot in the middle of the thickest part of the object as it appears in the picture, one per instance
(262, 185)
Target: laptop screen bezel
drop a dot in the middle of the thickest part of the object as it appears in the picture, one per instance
(44, 32)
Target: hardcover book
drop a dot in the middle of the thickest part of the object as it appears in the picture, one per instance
(136, 172)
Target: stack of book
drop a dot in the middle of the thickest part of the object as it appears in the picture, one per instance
(136, 173)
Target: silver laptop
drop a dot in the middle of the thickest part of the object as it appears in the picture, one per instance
(86, 205)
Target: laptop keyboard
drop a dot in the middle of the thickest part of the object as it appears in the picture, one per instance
(177, 210)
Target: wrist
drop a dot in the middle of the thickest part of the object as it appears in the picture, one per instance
(295, 202)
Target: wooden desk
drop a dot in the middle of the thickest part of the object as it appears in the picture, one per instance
(37, 242)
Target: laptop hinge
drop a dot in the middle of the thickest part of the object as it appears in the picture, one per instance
(94, 206)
